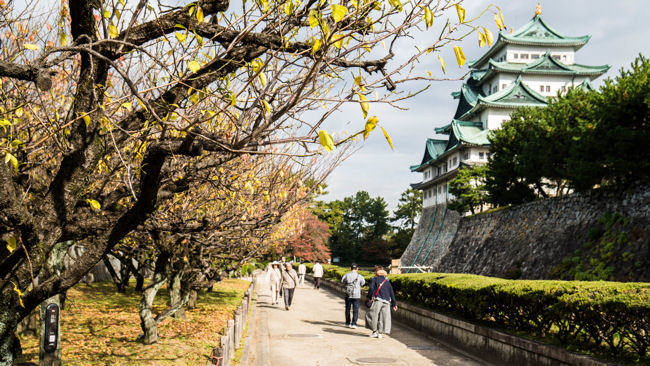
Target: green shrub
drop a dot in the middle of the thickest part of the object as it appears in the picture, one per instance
(606, 318)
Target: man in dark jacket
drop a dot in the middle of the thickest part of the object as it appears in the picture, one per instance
(383, 298)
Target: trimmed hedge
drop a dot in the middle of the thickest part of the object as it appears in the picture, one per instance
(605, 318)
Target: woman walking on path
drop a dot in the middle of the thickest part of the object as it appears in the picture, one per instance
(275, 278)
(289, 284)
(318, 274)
(383, 298)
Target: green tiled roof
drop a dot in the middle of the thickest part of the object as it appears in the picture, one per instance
(534, 33)
(433, 149)
(470, 134)
(467, 99)
(545, 65)
(447, 129)
(515, 95)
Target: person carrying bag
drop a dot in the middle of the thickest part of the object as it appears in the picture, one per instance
(378, 316)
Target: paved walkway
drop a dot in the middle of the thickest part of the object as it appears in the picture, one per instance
(313, 333)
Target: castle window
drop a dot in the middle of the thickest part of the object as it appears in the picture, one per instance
(557, 57)
(515, 56)
(563, 57)
(481, 155)
(465, 155)
(541, 88)
(534, 56)
(548, 88)
(455, 161)
(524, 56)
(503, 86)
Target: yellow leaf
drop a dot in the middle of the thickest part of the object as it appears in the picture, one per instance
(233, 99)
(263, 79)
(503, 22)
(338, 12)
(19, 112)
(326, 29)
(199, 14)
(20, 294)
(338, 40)
(94, 204)
(358, 80)
(112, 31)
(194, 66)
(364, 105)
(86, 119)
(326, 140)
(63, 39)
(461, 13)
(371, 123)
(180, 37)
(289, 7)
(498, 21)
(267, 107)
(428, 17)
(313, 18)
(460, 56)
(11, 244)
(390, 142)
(396, 4)
(32, 47)
(442, 63)
(355, 3)
(11, 159)
(320, 189)
(481, 39)
(488, 36)
(128, 106)
(316, 46)
(265, 5)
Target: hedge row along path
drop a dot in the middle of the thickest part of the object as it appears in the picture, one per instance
(313, 333)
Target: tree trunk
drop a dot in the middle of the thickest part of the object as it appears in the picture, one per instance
(147, 322)
(191, 303)
(125, 275)
(47, 358)
(9, 345)
(55, 263)
(139, 281)
(175, 295)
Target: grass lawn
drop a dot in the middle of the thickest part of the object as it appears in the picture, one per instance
(99, 327)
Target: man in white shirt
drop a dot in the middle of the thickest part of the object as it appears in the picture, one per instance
(302, 270)
(318, 274)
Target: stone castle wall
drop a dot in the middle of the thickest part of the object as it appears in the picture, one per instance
(532, 238)
(432, 238)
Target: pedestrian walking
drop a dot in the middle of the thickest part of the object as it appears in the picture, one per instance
(289, 284)
(275, 278)
(302, 270)
(380, 299)
(352, 282)
(318, 274)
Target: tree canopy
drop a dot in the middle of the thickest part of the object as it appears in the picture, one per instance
(581, 140)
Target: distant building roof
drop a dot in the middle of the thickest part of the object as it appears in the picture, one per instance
(534, 33)
(517, 94)
(433, 149)
(546, 65)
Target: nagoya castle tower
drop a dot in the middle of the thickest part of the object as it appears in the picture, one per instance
(523, 68)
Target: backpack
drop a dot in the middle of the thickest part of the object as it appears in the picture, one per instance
(349, 287)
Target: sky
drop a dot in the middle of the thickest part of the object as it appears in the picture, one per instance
(619, 32)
